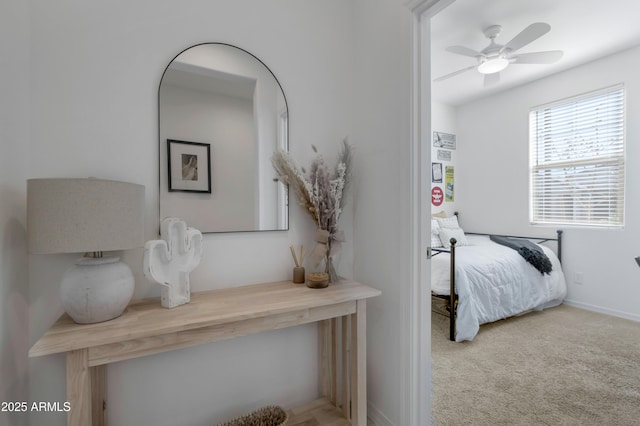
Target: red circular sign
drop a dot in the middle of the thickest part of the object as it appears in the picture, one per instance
(437, 196)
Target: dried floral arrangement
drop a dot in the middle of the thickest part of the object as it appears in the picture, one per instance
(320, 191)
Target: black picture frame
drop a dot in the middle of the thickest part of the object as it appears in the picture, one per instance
(189, 166)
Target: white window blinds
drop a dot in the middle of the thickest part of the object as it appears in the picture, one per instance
(577, 160)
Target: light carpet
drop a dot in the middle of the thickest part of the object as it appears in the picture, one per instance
(562, 366)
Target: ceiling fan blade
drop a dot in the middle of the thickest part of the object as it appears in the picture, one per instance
(491, 79)
(461, 50)
(526, 36)
(538, 57)
(444, 77)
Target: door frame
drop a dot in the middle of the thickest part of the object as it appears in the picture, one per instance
(418, 374)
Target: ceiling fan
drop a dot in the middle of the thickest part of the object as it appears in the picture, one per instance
(496, 57)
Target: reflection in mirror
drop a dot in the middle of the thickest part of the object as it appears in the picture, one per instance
(222, 114)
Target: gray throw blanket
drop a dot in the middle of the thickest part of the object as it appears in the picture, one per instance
(531, 252)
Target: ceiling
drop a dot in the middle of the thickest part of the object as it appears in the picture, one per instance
(584, 29)
(202, 79)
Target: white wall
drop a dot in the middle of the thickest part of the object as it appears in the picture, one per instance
(382, 253)
(14, 153)
(492, 181)
(95, 72)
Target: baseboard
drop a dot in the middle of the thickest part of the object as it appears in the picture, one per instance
(376, 417)
(600, 309)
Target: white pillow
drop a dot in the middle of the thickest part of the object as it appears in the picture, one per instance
(435, 226)
(448, 222)
(435, 230)
(447, 233)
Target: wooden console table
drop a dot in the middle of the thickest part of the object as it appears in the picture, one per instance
(146, 328)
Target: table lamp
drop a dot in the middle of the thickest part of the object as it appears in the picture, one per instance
(88, 216)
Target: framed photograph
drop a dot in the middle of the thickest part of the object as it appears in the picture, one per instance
(189, 166)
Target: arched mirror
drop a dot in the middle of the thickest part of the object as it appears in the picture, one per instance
(222, 114)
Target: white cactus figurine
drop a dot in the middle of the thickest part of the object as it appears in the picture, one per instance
(169, 261)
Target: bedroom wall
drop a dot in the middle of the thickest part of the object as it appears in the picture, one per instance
(444, 120)
(94, 79)
(492, 182)
(14, 161)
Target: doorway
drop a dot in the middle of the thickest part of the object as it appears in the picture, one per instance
(419, 405)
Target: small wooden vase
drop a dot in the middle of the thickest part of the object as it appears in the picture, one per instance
(298, 275)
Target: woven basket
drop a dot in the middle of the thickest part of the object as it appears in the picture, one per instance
(271, 415)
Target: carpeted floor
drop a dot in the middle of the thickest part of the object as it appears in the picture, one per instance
(562, 366)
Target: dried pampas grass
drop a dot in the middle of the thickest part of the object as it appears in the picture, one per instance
(320, 191)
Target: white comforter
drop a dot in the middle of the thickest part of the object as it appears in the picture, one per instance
(494, 282)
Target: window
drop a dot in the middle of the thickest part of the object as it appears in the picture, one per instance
(577, 160)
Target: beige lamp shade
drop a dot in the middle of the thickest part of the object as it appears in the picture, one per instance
(84, 215)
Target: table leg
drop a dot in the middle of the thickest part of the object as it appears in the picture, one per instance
(98, 395)
(79, 388)
(346, 400)
(334, 361)
(325, 353)
(359, 365)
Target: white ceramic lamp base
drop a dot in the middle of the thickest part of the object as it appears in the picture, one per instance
(96, 289)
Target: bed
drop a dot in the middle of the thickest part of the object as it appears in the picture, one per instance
(483, 281)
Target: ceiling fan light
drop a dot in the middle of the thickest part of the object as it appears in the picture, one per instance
(494, 65)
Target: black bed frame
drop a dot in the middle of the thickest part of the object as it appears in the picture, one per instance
(452, 298)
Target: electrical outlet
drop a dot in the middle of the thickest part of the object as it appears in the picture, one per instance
(578, 278)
